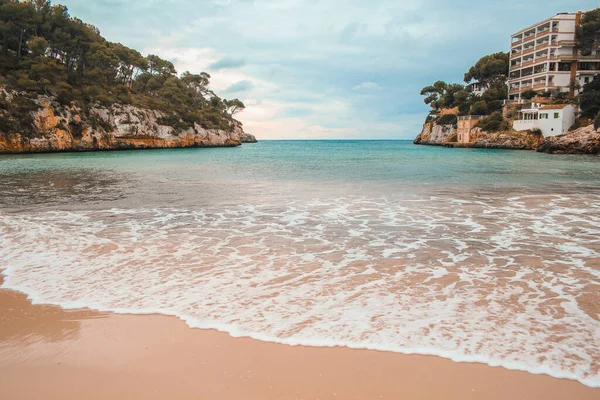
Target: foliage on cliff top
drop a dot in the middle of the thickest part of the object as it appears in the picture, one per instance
(588, 34)
(43, 50)
(490, 71)
(490, 68)
(493, 123)
(589, 99)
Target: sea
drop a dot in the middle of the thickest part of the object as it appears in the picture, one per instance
(488, 256)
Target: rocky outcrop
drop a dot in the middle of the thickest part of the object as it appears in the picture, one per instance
(57, 128)
(436, 135)
(512, 140)
(248, 138)
(441, 135)
(584, 140)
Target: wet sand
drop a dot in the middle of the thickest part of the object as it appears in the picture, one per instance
(50, 353)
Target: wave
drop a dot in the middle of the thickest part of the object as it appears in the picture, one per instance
(506, 282)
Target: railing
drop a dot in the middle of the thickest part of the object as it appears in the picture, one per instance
(527, 63)
(590, 57)
(513, 91)
(539, 85)
(468, 117)
(542, 46)
(528, 50)
(567, 43)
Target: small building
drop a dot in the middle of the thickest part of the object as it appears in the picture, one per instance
(477, 88)
(552, 119)
(465, 126)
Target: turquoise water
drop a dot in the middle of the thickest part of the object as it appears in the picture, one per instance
(274, 168)
(488, 256)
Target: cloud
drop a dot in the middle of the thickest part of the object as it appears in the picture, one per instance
(227, 62)
(241, 86)
(367, 86)
(315, 68)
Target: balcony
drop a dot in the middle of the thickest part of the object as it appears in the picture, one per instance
(542, 46)
(539, 85)
(528, 50)
(590, 58)
(514, 91)
(527, 63)
(565, 43)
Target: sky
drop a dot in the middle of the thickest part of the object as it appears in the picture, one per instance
(321, 69)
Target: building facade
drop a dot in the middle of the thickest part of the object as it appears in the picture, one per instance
(543, 57)
(552, 119)
(464, 127)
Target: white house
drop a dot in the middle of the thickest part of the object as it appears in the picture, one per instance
(552, 119)
(477, 88)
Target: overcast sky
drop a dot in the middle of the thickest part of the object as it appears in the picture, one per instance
(321, 69)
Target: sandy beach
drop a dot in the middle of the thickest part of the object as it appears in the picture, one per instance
(50, 353)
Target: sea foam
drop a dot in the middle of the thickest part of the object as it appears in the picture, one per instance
(510, 283)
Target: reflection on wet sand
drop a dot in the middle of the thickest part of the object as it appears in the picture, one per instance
(23, 324)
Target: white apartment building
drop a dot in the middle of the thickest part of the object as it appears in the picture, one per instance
(551, 119)
(543, 57)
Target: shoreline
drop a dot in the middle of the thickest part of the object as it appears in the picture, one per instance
(70, 352)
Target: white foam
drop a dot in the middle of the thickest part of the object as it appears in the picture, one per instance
(493, 281)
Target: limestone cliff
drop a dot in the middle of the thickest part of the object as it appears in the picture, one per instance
(436, 135)
(56, 128)
(511, 140)
(440, 135)
(585, 140)
(248, 138)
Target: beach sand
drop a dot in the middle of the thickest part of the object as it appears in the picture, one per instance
(49, 353)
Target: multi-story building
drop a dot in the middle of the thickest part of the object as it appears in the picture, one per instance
(544, 57)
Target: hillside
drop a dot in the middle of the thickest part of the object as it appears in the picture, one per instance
(57, 69)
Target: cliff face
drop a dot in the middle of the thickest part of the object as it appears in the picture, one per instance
(436, 135)
(57, 128)
(584, 140)
(248, 138)
(506, 140)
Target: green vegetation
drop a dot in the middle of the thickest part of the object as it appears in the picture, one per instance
(589, 99)
(588, 34)
(491, 71)
(529, 94)
(493, 123)
(448, 119)
(43, 50)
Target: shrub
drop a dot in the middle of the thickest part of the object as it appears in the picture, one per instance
(479, 108)
(537, 131)
(597, 122)
(448, 119)
(493, 123)
(529, 94)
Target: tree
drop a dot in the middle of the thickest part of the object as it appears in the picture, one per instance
(529, 94)
(589, 99)
(588, 33)
(234, 106)
(489, 69)
(434, 93)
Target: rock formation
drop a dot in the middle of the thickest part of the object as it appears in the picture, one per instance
(248, 138)
(585, 140)
(436, 135)
(57, 128)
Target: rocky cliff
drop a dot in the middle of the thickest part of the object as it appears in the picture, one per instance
(248, 138)
(584, 140)
(52, 127)
(436, 135)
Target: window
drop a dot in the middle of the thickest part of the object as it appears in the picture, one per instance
(556, 115)
(586, 79)
(544, 116)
